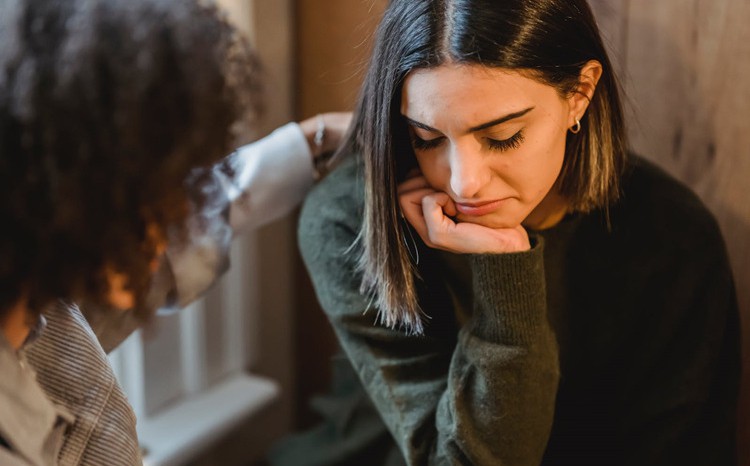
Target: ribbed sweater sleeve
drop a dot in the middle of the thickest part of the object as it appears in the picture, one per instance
(481, 395)
(510, 289)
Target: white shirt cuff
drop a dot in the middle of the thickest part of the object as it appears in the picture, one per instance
(272, 177)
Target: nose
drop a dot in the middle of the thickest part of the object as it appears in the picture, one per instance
(467, 172)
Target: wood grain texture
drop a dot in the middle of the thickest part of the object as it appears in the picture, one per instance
(685, 66)
(334, 39)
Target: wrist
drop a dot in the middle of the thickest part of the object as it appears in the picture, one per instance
(519, 241)
(508, 240)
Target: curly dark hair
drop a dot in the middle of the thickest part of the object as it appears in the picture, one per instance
(105, 108)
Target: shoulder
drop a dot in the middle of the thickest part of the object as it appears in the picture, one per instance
(665, 210)
(328, 231)
(73, 370)
(332, 212)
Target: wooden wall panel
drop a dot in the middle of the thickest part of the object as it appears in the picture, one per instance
(685, 66)
(333, 44)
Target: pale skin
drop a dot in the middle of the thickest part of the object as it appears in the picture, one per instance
(335, 123)
(490, 144)
(17, 322)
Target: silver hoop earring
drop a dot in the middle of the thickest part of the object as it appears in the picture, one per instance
(575, 129)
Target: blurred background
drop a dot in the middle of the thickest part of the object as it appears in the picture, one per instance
(234, 372)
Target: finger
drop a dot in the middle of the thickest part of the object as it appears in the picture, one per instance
(411, 209)
(411, 202)
(442, 200)
(468, 237)
(438, 225)
(449, 207)
(416, 220)
(335, 125)
(337, 121)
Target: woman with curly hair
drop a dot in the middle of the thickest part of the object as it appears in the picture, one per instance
(115, 119)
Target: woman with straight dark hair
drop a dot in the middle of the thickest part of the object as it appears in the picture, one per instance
(510, 287)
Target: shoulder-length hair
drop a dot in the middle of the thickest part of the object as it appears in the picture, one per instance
(548, 40)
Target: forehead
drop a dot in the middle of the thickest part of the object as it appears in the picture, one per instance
(473, 90)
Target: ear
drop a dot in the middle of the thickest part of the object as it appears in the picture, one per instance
(579, 100)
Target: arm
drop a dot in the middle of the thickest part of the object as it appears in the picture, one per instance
(255, 185)
(483, 398)
(259, 183)
(273, 175)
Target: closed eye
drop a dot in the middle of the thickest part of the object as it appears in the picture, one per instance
(503, 145)
(425, 144)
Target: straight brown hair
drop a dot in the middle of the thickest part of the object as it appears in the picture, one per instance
(549, 40)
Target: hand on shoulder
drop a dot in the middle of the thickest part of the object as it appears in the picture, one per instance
(325, 132)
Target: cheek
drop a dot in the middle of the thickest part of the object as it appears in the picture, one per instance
(555, 157)
(553, 146)
(434, 172)
(538, 168)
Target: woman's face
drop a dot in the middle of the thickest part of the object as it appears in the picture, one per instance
(492, 139)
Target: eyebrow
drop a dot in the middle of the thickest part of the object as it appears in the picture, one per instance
(489, 124)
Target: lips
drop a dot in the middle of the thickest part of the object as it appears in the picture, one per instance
(479, 208)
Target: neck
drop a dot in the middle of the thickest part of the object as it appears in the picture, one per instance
(15, 323)
(548, 213)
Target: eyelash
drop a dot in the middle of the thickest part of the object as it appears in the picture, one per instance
(502, 145)
(512, 142)
(425, 144)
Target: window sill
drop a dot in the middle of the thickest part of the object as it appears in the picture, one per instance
(178, 433)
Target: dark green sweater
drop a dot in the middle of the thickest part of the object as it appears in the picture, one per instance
(599, 346)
